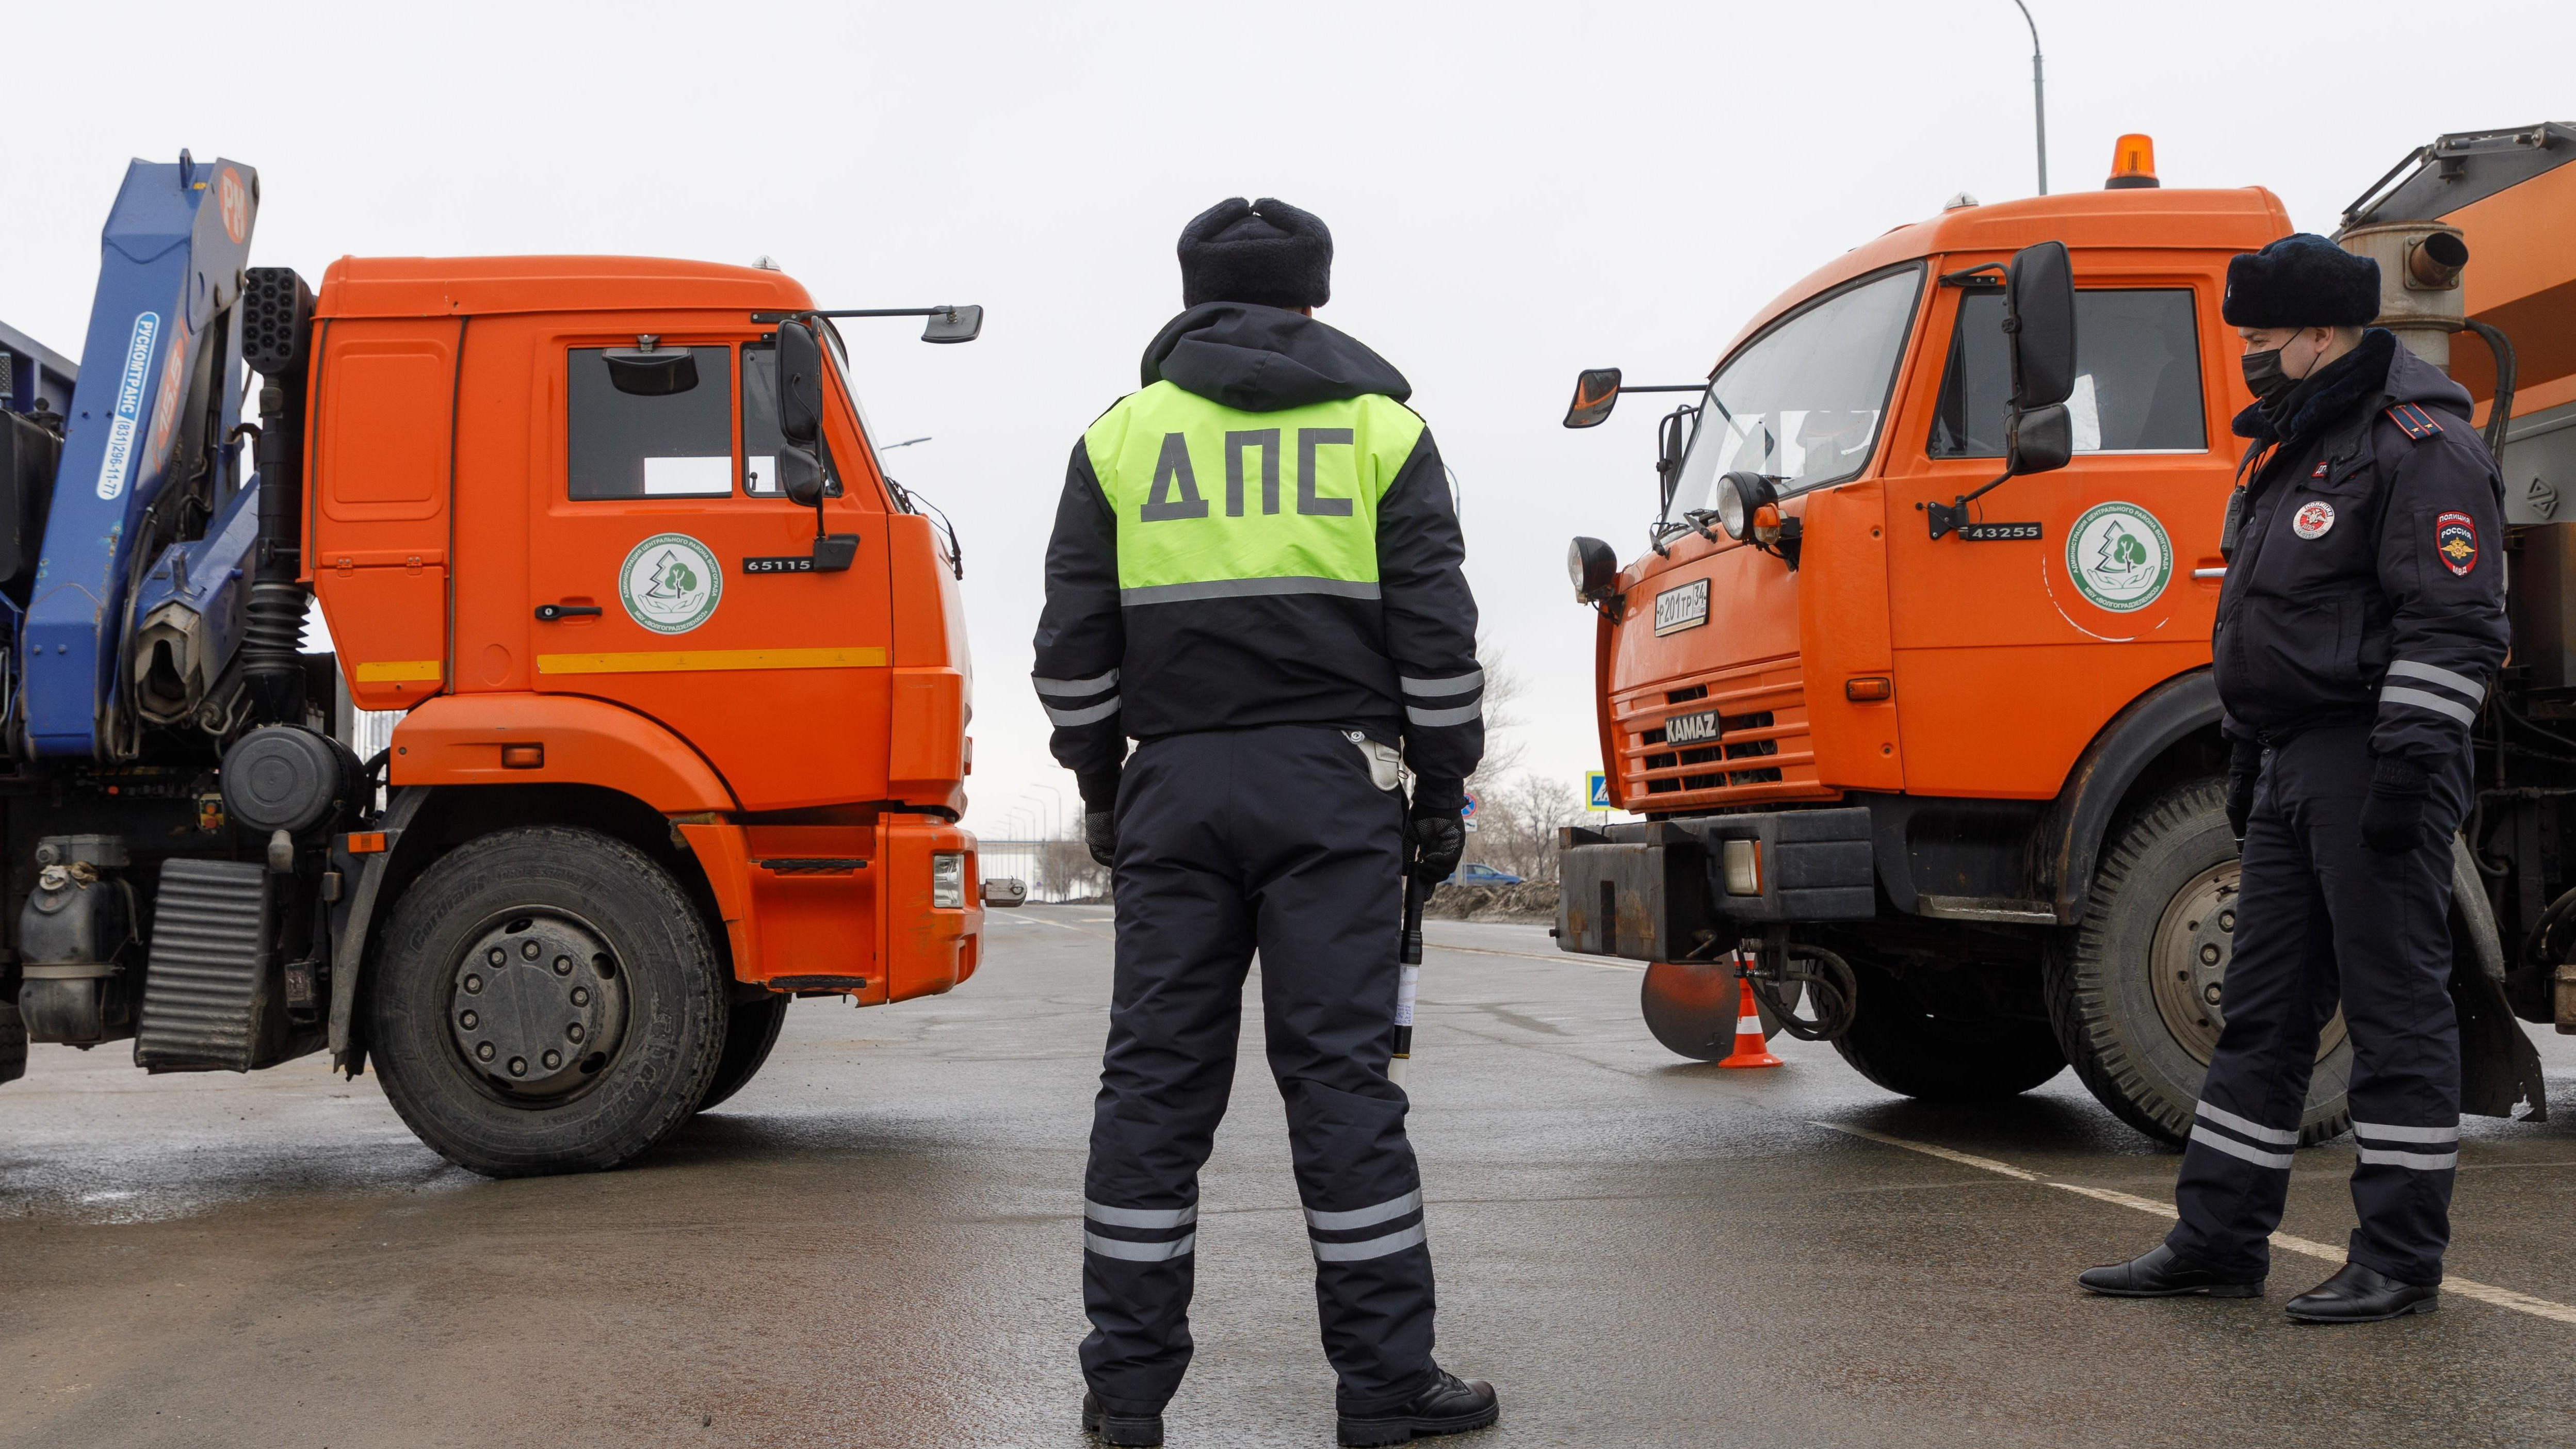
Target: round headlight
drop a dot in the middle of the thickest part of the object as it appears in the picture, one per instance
(1594, 568)
(1732, 515)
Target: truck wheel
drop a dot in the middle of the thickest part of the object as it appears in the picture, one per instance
(749, 1034)
(2135, 993)
(1894, 1042)
(547, 1001)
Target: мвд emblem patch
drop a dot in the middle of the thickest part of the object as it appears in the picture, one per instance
(2455, 538)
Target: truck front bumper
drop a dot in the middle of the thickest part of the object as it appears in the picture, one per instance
(1673, 890)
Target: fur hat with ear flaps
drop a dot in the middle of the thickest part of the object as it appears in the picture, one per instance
(2302, 280)
(1264, 252)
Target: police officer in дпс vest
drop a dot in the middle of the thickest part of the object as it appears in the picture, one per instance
(2359, 628)
(1256, 574)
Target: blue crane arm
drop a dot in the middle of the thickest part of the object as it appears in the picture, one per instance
(164, 343)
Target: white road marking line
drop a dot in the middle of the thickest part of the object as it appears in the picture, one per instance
(1982, 1164)
(2465, 1287)
(1059, 925)
(1568, 958)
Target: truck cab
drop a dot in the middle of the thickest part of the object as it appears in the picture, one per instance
(677, 676)
(1922, 734)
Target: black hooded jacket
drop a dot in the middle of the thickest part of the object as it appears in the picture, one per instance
(1272, 543)
(2367, 577)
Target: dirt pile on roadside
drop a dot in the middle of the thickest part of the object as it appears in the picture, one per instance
(1527, 902)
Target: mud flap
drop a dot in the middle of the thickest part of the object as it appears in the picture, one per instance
(1692, 1007)
(2499, 1067)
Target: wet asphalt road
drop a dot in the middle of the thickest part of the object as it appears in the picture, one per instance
(876, 1243)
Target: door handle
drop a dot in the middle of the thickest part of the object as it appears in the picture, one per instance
(548, 613)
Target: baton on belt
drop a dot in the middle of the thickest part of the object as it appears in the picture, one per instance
(1408, 959)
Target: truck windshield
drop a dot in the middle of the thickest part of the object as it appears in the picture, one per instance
(1804, 401)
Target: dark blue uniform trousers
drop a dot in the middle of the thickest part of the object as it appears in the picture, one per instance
(2323, 919)
(1275, 840)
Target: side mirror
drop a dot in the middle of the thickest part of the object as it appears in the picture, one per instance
(651, 372)
(2039, 334)
(800, 475)
(800, 389)
(1596, 392)
(2039, 322)
(956, 324)
(1671, 442)
(2038, 440)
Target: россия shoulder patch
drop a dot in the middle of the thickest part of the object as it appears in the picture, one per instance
(2455, 538)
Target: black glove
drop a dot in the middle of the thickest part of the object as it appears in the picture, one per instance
(1099, 814)
(1435, 828)
(2392, 819)
(2244, 767)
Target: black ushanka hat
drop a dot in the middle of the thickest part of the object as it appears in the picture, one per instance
(2302, 280)
(1265, 252)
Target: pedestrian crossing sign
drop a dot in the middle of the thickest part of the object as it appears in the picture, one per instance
(1596, 790)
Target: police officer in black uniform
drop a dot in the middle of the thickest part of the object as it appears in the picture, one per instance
(1256, 574)
(2359, 629)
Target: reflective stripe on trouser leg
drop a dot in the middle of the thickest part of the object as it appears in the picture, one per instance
(2279, 989)
(1327, 848)
(1184, 941)
(2396, 957)
(2386, 945)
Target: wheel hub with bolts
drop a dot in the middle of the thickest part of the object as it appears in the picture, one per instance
(538, 1006)
(2193, 945)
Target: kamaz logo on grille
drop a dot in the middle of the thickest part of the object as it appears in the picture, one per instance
(1682, 608)
(1691, 729)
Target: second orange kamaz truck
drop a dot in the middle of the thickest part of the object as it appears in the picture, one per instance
(1910, 686)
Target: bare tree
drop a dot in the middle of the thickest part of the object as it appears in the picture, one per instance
(1516, 825)
(1503, 753)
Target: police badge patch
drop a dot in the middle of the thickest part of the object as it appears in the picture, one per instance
(2455, 538)
(2313, 520)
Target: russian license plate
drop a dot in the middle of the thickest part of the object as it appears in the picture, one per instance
(1682, 608)
(1691, 729)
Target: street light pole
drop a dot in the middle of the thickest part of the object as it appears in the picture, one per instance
(2038, 94)
(1056, 831)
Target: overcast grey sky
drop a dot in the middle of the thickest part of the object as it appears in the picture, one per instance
(1515, 191)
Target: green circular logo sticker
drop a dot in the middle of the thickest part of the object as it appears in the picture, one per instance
(670, 583)
(2119, 556)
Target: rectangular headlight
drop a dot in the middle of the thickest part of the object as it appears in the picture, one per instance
(948, 880)
(1744, 867)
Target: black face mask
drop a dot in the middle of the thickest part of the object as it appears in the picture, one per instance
(2264, 375)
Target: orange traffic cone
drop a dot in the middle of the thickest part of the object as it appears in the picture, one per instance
(1750, 1050)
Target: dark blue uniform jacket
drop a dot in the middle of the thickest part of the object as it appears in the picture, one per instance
(2367, 577)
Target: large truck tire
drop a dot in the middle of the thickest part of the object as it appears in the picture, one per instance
(547, 1000)
(2134, 991)
(749, 1034)
(1894, 1042)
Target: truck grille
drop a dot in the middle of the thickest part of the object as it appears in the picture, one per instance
(1761, 750)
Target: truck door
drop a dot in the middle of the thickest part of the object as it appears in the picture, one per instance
(2015, 641)
(666, 574)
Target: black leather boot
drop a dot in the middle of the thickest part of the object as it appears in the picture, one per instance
(1446, 1405)
(2161, 1272)
(1123, 1429)
(2356, 1294)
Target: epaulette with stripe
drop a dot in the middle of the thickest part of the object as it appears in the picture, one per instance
(2417, 423)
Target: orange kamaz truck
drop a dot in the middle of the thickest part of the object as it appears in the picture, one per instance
(1910, 684)
(681, 675)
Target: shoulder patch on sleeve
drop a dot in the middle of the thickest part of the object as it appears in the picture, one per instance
(2455, 538)
(2414, 421)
